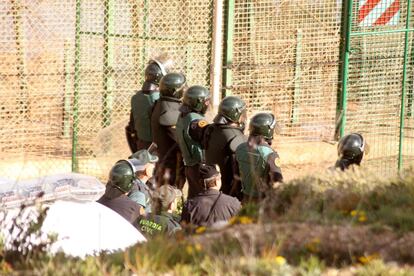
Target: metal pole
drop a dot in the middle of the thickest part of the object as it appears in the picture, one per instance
(402, 114)
(298, 76)
(144, 37)
(75, 161)
(228, 50)
(108, 60)
(345, 68)
(217, 51)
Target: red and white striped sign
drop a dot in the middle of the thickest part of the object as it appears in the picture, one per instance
(378, 12)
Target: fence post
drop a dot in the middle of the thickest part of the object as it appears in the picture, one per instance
(75, 161)
(108, 59)
(342, 96)
(404, 81)
(217, 50)
(298, 76)
(227, 73)
(144, 38)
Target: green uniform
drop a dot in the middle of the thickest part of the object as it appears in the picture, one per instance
(153, 225)
(191, 150)
(258, 169)
(141, 107)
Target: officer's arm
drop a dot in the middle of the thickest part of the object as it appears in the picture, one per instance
(197, 128)
(275, 173)
(171, 133)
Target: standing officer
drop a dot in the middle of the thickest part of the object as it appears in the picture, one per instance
(222, 138)
(138, 131)
(164, 117)
(195, 103)
(258, 162)
(351, 149)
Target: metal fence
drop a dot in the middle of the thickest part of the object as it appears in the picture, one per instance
(69, 68)
(325, 68)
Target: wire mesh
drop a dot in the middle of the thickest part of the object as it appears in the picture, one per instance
(69, 68)
(286, 56)
(375, 84)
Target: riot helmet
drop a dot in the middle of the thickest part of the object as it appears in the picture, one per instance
(172, 85)
(197, 98)
(157, 68)
(351, 147)
(263, 124)
(233, 109)
(121, 176)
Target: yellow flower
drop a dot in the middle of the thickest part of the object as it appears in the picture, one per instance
(280, 260)
(245, 220)
(189, 249)
(354, 213)
(362, 218)
(200, 230)
(198, 247)
(368, 259)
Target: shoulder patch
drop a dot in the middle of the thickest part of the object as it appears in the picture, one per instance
(277, 162)
(202, 123)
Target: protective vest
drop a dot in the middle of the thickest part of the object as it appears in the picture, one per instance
(141, 106)
(190, 149)
(220, 141)
(253, 168)
(164, 116)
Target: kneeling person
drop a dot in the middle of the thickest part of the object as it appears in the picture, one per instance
(119, 185)
(211, 205)
(161, 220)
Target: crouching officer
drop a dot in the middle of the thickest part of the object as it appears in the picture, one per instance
(195, 103)
(351, 149)
(209, 206)
(164, 117)
(138, 131)
(161, 220)
(258, 162)
(119, 185)
(221, 140)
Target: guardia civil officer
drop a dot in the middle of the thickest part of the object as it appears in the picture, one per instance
(164, 117)
(161, 220)
(138, 131)
(210, 206)
(195, 103)
(351, 149)
(119, 185)
(221, 139)
(258, 162)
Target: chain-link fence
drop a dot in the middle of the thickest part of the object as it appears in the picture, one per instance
(69, 68)
(289, 57)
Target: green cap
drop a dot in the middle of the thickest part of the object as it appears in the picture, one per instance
(141, 158)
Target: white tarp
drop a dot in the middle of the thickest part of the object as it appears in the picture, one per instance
(88, 228)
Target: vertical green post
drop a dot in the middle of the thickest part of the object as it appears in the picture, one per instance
(75, 161)
(66, 89)
(227, 78)
(108, 81)
(144, 37)
(402, 113)
(345, 65)
(298, 77)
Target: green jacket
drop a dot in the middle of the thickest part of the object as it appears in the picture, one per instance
(141, 107)
(253, 168)
(190, 149)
